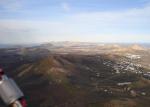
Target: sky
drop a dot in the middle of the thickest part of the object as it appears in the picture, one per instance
(39, 21)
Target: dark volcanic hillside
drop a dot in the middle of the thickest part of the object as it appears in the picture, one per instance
(74, 80)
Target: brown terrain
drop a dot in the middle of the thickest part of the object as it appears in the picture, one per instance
(68, 74)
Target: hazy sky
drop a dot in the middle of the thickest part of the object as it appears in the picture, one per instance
(34, 21)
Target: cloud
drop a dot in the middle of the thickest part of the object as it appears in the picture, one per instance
(21, 31)
(135, 15)
(17, 31)
(65, 6)
(11, 5)
(130, 25)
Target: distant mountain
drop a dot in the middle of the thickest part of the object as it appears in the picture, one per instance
(137, 47)
(18, 45)
(5, 46)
